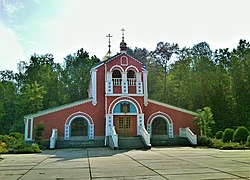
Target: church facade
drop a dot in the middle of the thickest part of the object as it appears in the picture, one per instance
(118, 106)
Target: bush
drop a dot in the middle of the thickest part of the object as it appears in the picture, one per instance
(248, 141)
(228, 135)
(219, 134)
(17, 135)
(240, 135)
(39, 128)
(204, 141)
(14, 143)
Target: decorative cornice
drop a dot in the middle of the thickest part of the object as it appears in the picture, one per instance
(172, 107)
(58, 108)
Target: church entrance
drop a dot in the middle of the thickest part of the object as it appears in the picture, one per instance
(79, 127)
(124, 126)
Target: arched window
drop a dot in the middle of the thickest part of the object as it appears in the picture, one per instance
(159, 126)
(131, 78)
(117, 77)
(79, 127)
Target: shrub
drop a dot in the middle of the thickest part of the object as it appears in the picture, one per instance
(232, 145)
(219, 134)
(228, 135)
(248, 141)
(17, 135)
(240, 135)
(39, 128)
(14, 143)
(204, 141)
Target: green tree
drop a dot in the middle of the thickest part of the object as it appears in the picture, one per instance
(204, 119)
(162, 55)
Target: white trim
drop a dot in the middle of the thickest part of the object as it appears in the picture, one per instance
(131, 66)
(127, 95)
(126, 59)
(26, 129)
(31, 129)
(109, 123)
(140, 123)
(58, 108)
(94, 86)
(68, 126)
(111, 104)
(170, 128)
(172, 107)
(145, 87)
(116, 66)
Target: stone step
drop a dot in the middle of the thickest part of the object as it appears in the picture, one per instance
(79, 144)
(131, 143)
(177, 141)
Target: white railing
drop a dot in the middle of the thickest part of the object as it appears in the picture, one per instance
(53, 139)
(187, 133)
(131, 81)
(117, 81)
(145, 136)
(114, 137)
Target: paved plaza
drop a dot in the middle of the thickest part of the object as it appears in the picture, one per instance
(103, 163)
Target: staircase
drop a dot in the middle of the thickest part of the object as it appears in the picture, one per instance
(131, 143)
(79, 144)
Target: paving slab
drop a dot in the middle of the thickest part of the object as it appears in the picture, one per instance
(104, 163)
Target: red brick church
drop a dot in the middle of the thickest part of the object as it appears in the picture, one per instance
(118, 112)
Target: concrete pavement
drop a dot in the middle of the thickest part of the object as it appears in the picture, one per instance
(103, 163)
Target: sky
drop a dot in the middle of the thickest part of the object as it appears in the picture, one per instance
(61, 27)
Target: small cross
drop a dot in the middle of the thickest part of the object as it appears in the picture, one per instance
(109, 36)
(123, 30)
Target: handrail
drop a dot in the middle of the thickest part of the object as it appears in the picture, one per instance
(117, 81)
(114, 137)
(131, 81)
(145, 136)
(53, 138)
(187, 133)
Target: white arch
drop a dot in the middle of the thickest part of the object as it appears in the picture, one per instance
(133, 67)
(116, 66)
(120, 99)
(123, 101)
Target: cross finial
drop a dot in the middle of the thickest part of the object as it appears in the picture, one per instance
(109, 36)
(123, 30)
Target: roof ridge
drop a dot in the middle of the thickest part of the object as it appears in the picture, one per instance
(172, 107)
(57, 108)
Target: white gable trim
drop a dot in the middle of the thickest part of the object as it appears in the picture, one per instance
(58, 108)
(172, 107)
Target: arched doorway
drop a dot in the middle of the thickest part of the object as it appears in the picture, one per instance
(79, 128)
(159, 127)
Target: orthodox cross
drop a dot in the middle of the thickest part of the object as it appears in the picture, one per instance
(109, 36)
(123, 30)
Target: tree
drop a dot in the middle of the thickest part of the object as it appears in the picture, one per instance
(162, 55)
(204, 119)
(76, 74)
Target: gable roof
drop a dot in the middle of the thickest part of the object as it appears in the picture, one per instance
(114, 57)
(57, 108)
(171, 107)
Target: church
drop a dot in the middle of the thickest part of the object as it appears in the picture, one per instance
(117, 114)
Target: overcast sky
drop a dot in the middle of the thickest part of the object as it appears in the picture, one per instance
(61, 27)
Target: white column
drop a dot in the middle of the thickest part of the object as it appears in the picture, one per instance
(91, 131)
(109, 83)
(149, 129)
(109, 124)
(140, 122)
(145, 86)
(124, 83)
(170, 131)
(26, 122)
(138, 83)
(66, 132)
(31, 129)
(94, 86)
